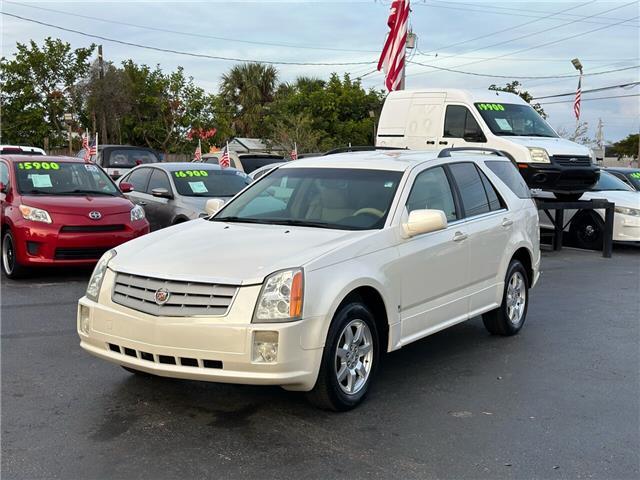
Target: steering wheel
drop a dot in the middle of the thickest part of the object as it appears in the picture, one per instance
(370, 211)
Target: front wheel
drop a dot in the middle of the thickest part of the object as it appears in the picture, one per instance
(509, 317)
(587, 231)
(349, 359)
(10, 265)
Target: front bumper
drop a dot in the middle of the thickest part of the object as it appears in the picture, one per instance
(47, 245)
(557, 178)
(215, 349)
(626, 228)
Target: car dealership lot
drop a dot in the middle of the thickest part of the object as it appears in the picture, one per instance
(561, 399)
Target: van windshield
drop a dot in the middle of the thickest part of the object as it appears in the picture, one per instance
(508, 119)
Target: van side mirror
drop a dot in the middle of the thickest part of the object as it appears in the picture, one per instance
(126, 187)
(424, 221)
(474, 136)
(213, 205)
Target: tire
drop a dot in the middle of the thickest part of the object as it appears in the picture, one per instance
(10, 266)
(587, 231)
(509, 317)
(137, 372)
(568, 197)
(352, 367)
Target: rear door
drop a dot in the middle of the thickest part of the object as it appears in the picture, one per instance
(159, 210)
(422, 129)
(488, 225)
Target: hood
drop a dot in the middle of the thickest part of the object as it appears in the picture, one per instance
(553, 145)
(220, 252)
(620, 198)
(79, 204)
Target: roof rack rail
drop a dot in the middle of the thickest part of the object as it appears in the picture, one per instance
(359, 148)
(446, 152)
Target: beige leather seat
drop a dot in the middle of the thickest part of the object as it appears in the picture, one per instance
(330, 205)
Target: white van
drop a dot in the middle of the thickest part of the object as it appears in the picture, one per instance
(433, 119)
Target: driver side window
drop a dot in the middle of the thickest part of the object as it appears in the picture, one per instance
(431, 190)
(460, 123)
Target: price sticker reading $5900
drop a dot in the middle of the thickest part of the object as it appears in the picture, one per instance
(191, 173)
(38, 166)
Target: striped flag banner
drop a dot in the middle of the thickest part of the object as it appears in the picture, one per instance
(393, 53)
(225, 161)
(576, 102)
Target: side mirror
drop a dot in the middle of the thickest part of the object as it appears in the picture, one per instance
(424, 221)
(161, 193)
(126, 187)
(477, 137)
(3, 188)
(213, 205)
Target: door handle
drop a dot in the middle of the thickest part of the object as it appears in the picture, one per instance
(142, 203)
(431, 142)
(443, 142)
(506, 222)
(459, 236)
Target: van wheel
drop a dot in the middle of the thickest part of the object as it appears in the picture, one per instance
(587, 230)
(349, 360)
(10, 266)
(568, 197)
(509, 317)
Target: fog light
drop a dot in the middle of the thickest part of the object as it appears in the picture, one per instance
(265, 347)
(84, 319)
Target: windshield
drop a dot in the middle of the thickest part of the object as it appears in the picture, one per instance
(63, 178)
(209, 183)
(129, 158)
(514, 120)
(610, 182)
(339, 198)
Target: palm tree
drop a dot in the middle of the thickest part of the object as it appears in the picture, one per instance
(247, 89)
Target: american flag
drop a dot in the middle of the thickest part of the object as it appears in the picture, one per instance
(576, 102)
(198, 154)
(85, 146)
(294, 152)
(393, 53)
(225, 161)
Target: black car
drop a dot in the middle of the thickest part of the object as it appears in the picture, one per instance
(630, 176)
(117, 160)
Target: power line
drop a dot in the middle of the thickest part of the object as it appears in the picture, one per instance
(178, 52)
(190, 34)
(601, 89)
(547, 43)
(519, 77)
(590, 99)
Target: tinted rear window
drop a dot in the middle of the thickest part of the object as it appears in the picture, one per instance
(510, 176)
(128, 158)
(249, 163)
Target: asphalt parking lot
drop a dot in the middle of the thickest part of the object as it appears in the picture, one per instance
(560, 400)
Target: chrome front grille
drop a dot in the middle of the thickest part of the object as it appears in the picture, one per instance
(572, 160)
(185, 298)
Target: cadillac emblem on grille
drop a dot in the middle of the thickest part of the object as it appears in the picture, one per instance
(95, 215)
(162, 296)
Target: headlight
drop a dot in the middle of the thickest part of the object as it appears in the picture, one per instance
(137, 213)
(280, 299)
(34, 214)
(634, 212)
(95, 282)
(539, 155)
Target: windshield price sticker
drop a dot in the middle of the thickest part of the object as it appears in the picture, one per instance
(38, 166)
(490, 106)
(191, 173)
(198, 187)
(41, 181)
(635, 175)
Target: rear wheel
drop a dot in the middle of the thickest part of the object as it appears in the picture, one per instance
(509, 317)
(10, 265)
(349, 359)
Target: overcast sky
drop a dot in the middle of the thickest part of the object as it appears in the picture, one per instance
(530, 39)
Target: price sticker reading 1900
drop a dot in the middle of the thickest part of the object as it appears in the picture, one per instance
(191, 173)
(490, 106)
(38, 166)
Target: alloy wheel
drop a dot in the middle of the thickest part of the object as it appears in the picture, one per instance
(354, 357)
(8, 254)
(516, 298)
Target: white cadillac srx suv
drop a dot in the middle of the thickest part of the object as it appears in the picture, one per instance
(309, 274)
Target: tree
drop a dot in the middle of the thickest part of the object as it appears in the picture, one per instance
(514, 87)
(627, 147)
(246, 91)
(579, 135)
(38, 89)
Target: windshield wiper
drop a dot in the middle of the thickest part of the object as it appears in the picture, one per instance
(307, 223)
(87, 192)
(234, 219)
(538, 135)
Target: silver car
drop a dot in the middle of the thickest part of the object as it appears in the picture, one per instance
(172, 193)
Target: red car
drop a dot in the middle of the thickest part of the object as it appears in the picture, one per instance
(61, 211)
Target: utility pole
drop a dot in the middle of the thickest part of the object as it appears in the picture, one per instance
(600, 139)
(410, 45)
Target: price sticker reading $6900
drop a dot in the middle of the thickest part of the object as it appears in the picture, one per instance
(38, 166)
(191, 173)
